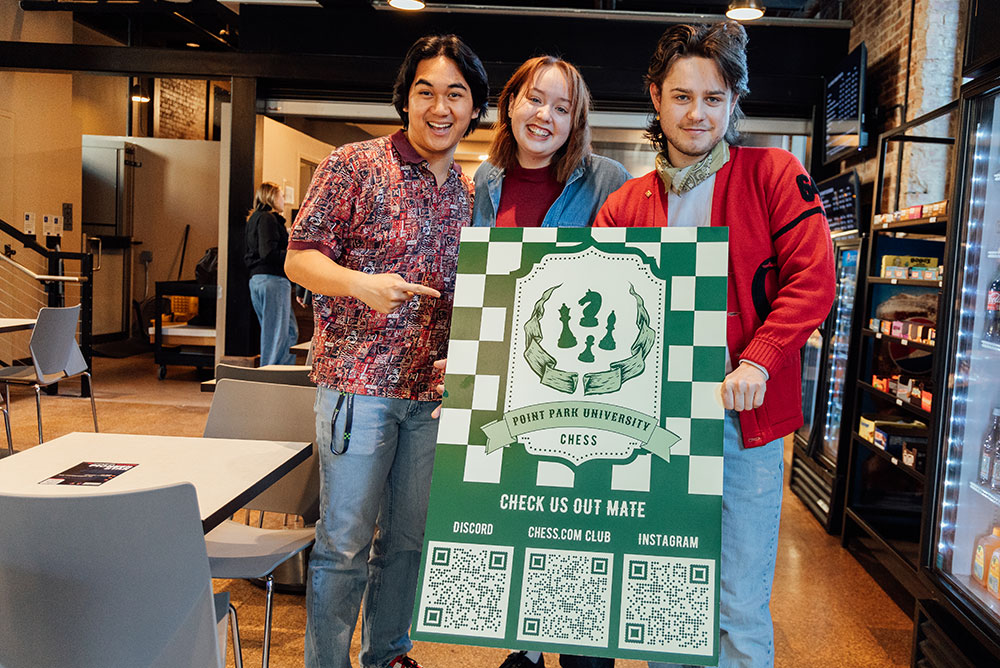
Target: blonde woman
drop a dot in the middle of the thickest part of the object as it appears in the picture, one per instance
(270, 291)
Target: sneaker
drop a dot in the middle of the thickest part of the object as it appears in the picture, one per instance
(519, 660)
(403, 661)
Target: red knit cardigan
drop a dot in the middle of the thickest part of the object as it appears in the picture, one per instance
(781, 275)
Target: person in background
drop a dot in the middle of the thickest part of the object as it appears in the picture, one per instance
(781, 286)
(541, 172)
(376, 241)
(266, 242)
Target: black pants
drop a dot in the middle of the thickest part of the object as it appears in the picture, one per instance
(568, 661)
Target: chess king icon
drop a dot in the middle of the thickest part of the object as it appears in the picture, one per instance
(586, 363)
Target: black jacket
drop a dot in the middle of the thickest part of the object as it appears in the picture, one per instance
(266, 242)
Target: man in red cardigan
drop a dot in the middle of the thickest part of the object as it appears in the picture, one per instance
(781, 286)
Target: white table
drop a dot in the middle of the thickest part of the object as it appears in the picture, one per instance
(16, 324)
(226, 473)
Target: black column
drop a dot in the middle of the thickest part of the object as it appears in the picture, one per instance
(241, 323)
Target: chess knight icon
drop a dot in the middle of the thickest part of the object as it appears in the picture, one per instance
(585, 371)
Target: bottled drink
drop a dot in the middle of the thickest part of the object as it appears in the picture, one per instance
(995, 473)
(989, 451)
(991, 331)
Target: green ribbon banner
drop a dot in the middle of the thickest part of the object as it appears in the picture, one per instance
(604, 382)
(542, 363)
(606, 417)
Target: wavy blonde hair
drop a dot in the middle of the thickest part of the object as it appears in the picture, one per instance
(264, 197)
(503, 151)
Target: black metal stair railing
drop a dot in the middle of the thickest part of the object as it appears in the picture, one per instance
(56, 278)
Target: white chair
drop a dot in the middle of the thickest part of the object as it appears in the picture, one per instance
(55, 356)
(243, 409)
(99, 580)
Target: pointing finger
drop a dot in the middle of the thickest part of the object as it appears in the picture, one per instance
(417, 289)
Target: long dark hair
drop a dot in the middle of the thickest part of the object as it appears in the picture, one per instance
(503, 151)
(452, 47)
(724, 43)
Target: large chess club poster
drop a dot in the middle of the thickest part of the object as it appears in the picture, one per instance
(577, 490)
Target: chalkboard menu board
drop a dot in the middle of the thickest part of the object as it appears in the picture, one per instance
(843, 108)
(840, 201)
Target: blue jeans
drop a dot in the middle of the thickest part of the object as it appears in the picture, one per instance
(383, 480)
(272, 301)
(751, 510)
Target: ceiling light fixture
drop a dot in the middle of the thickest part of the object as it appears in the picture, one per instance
(193, 45)
(745, 10)
(409, 5)
(138, 95)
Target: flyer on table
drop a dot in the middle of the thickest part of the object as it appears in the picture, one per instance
(577, 492)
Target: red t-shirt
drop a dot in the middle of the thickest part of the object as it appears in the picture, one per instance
(526, 196)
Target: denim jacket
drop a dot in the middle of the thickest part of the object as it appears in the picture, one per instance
(584, 193)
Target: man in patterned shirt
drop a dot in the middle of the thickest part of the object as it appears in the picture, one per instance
(376, 240)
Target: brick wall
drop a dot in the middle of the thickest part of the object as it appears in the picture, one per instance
(180, 109)
(930, 64)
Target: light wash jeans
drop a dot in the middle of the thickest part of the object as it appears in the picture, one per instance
(382, 479)
(751, 510)
(272, 301)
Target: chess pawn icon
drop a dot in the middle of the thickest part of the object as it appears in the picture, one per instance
(591, 303)
(566, 338)
(608, 342)
(588, 354)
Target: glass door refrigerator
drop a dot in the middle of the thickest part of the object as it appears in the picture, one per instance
(961, 560)
(818, 473)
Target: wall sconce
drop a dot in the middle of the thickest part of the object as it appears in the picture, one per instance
(137, 94)
(745, 10)
(409, 5)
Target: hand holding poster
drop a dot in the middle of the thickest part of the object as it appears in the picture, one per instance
(577, 488)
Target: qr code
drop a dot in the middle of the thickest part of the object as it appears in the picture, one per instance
(466, 589)
(566, 597)
(668, 604)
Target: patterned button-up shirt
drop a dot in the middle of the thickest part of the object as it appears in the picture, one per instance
(375, 207)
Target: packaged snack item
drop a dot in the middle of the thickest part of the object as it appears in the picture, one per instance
(914, 457)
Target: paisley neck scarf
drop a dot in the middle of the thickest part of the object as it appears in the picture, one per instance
(682, 179)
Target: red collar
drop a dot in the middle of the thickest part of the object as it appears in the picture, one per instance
(409, 154)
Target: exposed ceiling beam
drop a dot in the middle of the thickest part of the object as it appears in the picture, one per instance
(616, 15)
(40, 56)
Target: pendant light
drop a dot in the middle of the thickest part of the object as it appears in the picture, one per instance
(745, 10)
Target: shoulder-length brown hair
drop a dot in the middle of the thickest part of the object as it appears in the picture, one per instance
(503, 152)
(264, 197)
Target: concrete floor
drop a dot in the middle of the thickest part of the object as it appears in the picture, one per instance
(827, 610)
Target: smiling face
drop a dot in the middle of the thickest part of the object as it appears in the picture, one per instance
(694, 104)
(541, 117)
(439, 109)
